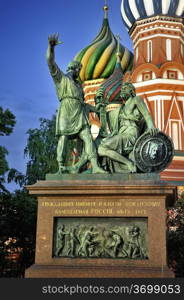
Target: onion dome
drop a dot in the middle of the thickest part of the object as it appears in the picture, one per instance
(112, 85)
(99, 58)
(133, 10)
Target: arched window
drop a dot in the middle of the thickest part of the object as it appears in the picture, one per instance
(182, 50)
(137, 53)
(175, 135)
(168, 49)
(149, 51)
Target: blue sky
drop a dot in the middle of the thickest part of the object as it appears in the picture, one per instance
(26, 87)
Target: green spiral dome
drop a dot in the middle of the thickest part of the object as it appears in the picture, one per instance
(99, 58)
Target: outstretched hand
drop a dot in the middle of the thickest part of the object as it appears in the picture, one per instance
(54, 40)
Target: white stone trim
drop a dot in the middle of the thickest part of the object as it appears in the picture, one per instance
(156, 116)
(178, 158)
(182, 50)
(90, 100)
(158, 102)
(173, 177)
(168, 125)
(175, 133)
(149, 51)
(158, 81)
(181, 118)
(164, 98)
(168, 49)
(155, 19)
(137, 53)
(90, 82)
(146, 30)
(90, 93)
(174, 170)
(156, 36)
(90, 86)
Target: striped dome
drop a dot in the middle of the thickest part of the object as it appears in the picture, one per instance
(112, 85)
(99, 58)
(133, 10)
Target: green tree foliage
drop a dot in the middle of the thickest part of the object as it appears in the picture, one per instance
(17, 213)
(7, 121)
(176, 237)
(3, 161)
(16, 176)
(17, 210)
(41, 151)
(3, 167)
(18, 231)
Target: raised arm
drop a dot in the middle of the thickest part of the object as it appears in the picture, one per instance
(53, 40)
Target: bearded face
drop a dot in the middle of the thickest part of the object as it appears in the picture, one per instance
(127, 91)
(74, 67)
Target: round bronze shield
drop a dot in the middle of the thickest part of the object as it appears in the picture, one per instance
(153, 153)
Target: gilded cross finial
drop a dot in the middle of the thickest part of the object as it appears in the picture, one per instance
(106, 8)
(118, 54)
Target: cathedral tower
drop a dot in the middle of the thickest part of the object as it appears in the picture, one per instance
(156, 28)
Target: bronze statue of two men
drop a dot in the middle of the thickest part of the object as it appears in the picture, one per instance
(72, 121)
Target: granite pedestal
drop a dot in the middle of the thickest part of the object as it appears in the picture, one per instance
(134, 197)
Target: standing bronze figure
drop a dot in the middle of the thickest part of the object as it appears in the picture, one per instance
(72, 119)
